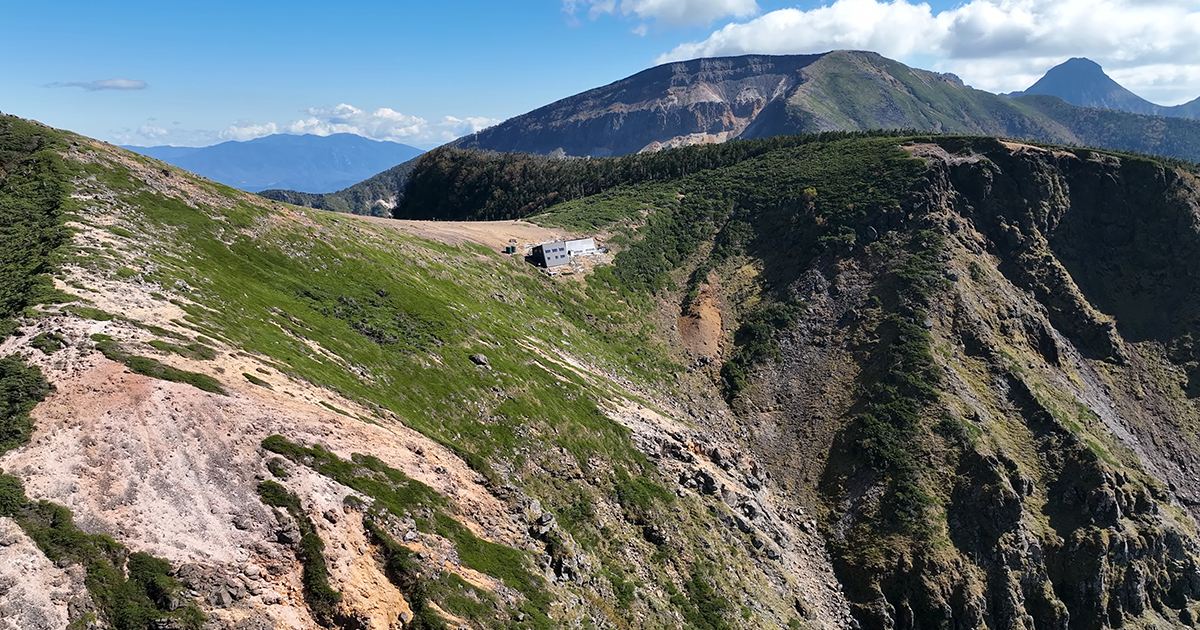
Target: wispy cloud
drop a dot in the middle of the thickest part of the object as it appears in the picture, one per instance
(103, 84)
(152, 132)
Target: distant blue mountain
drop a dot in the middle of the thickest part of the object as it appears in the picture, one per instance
(166, 154)
(308, 163)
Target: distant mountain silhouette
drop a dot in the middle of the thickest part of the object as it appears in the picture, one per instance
(1081, 81)
(166, 154)
(308, 163)
(713, 100)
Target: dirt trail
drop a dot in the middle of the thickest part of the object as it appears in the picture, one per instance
(491, 234)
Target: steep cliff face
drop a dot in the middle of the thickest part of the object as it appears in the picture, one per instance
(1045, 479)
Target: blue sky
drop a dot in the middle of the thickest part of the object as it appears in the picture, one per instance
(424, 72)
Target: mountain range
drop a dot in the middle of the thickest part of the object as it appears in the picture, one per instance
(707, 101)
(873, 380)
(311, 163)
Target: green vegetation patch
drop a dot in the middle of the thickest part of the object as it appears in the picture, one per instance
(191, 351)
(33, 191)
(154, 368)
(88, 312)
(22, 387)
(364, 473)
(700, 604)
(131, 590)
(450, 183)
(498, 561)
(255, 380)
(908, 379)
(639, 496)
(48, 342)
(321, 597)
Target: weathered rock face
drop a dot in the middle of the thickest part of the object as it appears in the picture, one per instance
(705, 101)
(694, 102)
(1056, 460)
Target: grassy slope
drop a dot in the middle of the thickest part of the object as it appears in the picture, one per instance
(130, 590)
(391, 321)
(848, 90)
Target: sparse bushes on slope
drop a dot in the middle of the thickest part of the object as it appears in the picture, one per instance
(154, 368)
(395, 494)
(907, 382)
(148, 594)
(321, 597)
(404, 573)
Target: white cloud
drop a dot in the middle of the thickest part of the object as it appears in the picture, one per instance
(894, 29)
(999, 45)
(380, 124)
(245, 130)
(103, 84)
(152, 132)
(668, 12)
(386, 124)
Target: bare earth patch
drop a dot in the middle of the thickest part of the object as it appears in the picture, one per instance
(494, 235)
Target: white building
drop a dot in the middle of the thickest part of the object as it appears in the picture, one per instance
(582, 246)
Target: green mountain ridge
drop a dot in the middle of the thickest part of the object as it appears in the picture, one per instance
(759, 96)
(845, 380)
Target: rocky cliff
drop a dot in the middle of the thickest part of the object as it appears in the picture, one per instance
(1051, 484)
(981, 381)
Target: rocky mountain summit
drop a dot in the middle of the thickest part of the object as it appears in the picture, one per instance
(711, 101)
(1081, 81)
(829, 381)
